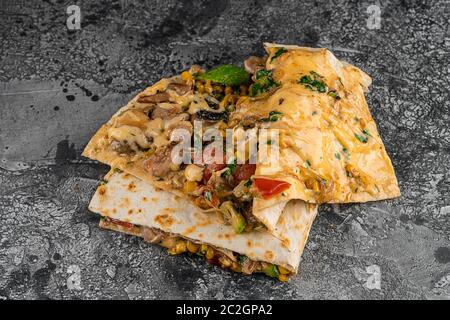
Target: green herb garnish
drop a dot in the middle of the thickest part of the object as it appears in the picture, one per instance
(334, 94)
(273, 116)
(308, 163)
(346, 152)
(241, 259)
(227, 75)
(363, 138)
(264, 82)
(314, 82)
(279, 52)
(337, 156)
(231, 169)
(248, 183)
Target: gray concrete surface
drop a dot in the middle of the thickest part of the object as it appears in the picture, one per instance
(57, 86)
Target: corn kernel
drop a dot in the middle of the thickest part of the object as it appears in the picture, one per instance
(190, 186)
(172, 251)
(210, 253)
(193, 172)
(200, 87)
(192, 247)
(236, 267)
(283, 278)
(225, 262)
(186, 76)
(283, 270)
(181, 247)
(208, 87)
(203, 248)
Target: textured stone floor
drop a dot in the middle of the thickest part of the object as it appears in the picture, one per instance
(57, 86)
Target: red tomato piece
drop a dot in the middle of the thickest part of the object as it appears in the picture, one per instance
(209, 160)
(269, 188)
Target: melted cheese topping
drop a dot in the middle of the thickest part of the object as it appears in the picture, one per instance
(320, 154)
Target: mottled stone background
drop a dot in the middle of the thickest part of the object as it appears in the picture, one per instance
(57, 86)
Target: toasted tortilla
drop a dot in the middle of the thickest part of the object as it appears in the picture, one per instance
(330, 148)
(128, 199)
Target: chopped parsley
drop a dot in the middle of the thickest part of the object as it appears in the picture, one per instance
(364, 137)
(279, 52)
(273, 116)
(337, 156)
(308, 163)
(248, 184)
(347, 153)
(103, 182)
(264, 82)
(230, 170)
(314, 82)
(242, 258)
(270, 142)
(334, 94)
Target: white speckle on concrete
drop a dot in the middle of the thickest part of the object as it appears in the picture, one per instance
(111, 271)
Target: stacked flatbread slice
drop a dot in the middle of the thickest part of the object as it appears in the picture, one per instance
(245, 217)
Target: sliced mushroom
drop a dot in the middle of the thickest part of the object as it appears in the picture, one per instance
(160, 164)
(121, 147)
(165, 113)
(155, 98)
(179, 88)
(153, 235)
(253, 64)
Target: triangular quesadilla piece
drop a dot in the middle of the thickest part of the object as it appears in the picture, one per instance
(130, 205)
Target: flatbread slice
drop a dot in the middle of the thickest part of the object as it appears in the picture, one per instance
(128, 204)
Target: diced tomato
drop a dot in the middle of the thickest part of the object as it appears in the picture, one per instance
(269, 188)
(244, 172)
(210, 162)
